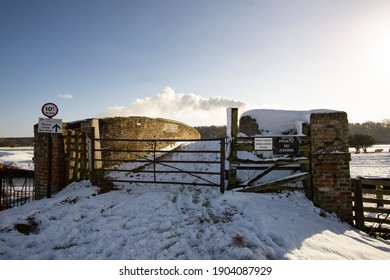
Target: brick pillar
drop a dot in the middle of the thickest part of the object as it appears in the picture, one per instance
(330, 158)
(41, 163)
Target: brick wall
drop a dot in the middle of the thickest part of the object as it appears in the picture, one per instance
(330, 158)
(41, 153)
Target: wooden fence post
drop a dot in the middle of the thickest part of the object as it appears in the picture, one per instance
(67, 145)
(222, 175)
(154, 160)
(379, 195)
(91, 149)
(358, 207)
(84, 165)
(76, 174)
(232, 131)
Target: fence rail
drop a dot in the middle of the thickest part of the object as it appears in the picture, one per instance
(372, 206)
(16, 187)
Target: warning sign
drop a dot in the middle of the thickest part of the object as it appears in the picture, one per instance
(286, 146)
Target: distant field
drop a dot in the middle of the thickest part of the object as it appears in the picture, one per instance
(370, 164)
(21, 157)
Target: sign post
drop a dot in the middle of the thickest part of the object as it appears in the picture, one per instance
(49, 155)
(50, 126)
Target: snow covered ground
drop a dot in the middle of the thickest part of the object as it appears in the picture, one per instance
(180, 222)
(371, 164)
(18, 157)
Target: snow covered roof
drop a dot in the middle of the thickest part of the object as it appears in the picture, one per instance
(276, 122)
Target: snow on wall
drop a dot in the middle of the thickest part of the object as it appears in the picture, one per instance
(276, 122)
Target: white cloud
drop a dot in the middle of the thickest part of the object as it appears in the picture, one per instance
(188, 108)
(65, 96)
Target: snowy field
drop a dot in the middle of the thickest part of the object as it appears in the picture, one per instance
(18, 157)
(366, 165)
(139, 222)
(371, 164)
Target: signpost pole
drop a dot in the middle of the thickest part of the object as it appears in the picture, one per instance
(49, 126)
(49, 144)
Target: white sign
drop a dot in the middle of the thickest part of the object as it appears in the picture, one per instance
(263, 144)
(170, 127)
(50, 125)
(49, 110)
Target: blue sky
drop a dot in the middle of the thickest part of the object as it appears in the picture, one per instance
(193, 57)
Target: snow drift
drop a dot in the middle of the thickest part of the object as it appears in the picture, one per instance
(147, 222)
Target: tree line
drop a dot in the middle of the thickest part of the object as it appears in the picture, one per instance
(211, 132)
(364, 135)
(379, 131)
(17, 142)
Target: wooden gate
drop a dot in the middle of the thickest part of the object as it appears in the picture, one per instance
(293, 158)
(262, 155)
(77, 147)
(371, 200)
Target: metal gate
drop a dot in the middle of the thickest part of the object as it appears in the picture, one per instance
(16, 187)
(162, 161)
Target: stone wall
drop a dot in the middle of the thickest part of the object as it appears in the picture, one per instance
(139, 128)
(145, 128)
(330, 159)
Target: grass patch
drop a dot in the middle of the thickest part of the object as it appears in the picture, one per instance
(240, 241)
(30, 228)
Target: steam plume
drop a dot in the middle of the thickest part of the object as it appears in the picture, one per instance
(188, 108)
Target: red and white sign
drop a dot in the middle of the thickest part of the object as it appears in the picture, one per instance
(49, 110)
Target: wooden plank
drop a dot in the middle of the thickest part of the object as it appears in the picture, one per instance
(262, 174)
(84, 160)
(374, 182)
(376, 201)
(377, 220)
(292, 167)
(277, 183)
(378, 230)
(76, 176)
(358, 200)
(377, 192)
(376, 210)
